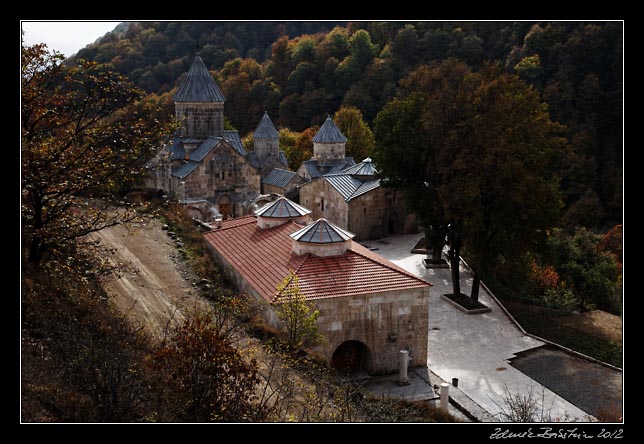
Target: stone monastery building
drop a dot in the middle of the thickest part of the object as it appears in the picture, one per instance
(205, 166)
(207, 169)
(370, 309)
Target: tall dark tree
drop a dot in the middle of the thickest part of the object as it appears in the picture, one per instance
(429, 123)
(407, 162)
(501, 181)
(474, 153)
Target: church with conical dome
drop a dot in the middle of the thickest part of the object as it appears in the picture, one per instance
(205, 166)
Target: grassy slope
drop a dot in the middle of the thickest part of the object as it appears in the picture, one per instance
(551, 324)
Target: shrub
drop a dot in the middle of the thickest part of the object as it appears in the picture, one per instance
(560, 298)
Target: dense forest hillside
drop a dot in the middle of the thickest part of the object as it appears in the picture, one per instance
(301, 71)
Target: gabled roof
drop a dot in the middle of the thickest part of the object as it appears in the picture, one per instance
(266, 129)
(311, 167)
(233, 137)
(282, 158)
(349, 186)
(322, 232)
(282, 208)
(340, 164)
(203, 149)
(264, 257)
(279, 177)
(183, 170)
(317, 169)
(364, 168)
(198, 85)
(329, 133)
(176, 149)
(253, 160)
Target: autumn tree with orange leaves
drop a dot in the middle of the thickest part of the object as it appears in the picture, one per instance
(82, 136)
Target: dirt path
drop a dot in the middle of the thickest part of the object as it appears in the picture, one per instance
(154, 286)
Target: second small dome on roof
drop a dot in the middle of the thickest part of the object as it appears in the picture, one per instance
(322, 232)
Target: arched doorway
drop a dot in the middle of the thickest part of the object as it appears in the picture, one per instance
(225, 207)
(352, 357)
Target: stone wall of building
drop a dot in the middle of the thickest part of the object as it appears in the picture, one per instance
(223, 172)
(386, 323)
(265, 148)
(324, 201)
(200, 119)
(377, 214)
(329, 151)
(290, 191)
(158, 175)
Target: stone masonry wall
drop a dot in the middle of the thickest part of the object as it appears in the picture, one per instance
(328, 151)
(200, 119)
(386, 323)
(223, 171)
(265, 148)
(321, 198)
(376, 214)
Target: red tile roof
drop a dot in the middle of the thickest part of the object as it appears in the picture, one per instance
(263, 257)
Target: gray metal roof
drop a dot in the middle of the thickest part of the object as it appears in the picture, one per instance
(364, 168)
(349, 186)
(198, 85)
(317, 169)
(282, 158)
(232, 136)
(282, 208)
(266, 129)
(339, 165)
(312, 168)
(253, 160)
(176, 149)
(184, 169)
(203, 149)
(329, 133)
(279, 177)
(322, 232)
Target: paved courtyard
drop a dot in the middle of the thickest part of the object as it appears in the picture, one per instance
(475, 348)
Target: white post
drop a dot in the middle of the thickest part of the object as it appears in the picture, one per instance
(404, 356)
(444, 396)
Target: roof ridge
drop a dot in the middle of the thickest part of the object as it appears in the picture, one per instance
(250, 217)
(386, 263)
(362, 182)
(294, 275)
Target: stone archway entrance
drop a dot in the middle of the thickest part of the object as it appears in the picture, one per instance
(225, 207)
(352, 357)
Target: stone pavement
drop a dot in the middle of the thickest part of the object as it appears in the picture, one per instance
(424, 385)
(475, 348)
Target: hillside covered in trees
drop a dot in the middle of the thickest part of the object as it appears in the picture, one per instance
(302, 71)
